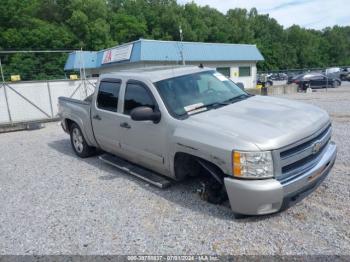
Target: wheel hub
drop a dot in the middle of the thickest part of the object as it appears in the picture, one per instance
(77, 140)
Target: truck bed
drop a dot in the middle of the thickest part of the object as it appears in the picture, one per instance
(79, 112)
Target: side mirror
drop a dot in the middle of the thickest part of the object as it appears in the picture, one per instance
(144, 113)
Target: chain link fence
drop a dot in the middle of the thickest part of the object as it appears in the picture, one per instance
(31, 99)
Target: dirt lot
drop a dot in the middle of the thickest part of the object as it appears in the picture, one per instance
(51, 202)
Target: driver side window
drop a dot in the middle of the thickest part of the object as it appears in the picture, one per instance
(137, 95)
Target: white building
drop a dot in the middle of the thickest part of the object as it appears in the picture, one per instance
(237, 61)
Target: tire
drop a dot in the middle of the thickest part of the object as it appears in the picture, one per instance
(239, 216)
(335, 84)
(302, 86)
(80, 147)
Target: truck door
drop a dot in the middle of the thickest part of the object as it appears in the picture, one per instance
(104, 115)
(143, 141)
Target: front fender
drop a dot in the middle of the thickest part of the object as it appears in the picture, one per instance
(216, 148)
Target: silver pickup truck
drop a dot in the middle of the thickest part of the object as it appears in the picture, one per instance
(262, 153)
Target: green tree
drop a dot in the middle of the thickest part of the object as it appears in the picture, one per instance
(98, 24)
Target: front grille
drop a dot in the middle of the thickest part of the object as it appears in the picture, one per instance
(304, 162)
(297, 159)
(302, 146)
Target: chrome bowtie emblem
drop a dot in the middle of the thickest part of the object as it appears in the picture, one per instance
(316, 147)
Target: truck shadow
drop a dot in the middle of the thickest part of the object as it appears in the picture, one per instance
(182, 193)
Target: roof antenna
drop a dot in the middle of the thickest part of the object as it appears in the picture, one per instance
(182, 49)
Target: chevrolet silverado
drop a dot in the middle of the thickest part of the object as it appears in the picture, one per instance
(167, 124)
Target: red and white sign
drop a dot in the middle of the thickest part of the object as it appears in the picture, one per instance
(117, 54)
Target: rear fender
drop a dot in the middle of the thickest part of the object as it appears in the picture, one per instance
(82, 127)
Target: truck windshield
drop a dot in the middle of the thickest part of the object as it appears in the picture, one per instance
(198, 92)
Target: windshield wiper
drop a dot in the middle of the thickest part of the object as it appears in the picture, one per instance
(237, 98)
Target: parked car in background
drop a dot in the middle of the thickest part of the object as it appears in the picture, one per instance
(315, 81)
(260, 83)
(264, 80)
(333, 72)
(345, 74)
(273, 77)
(278, 76)
(292, 77)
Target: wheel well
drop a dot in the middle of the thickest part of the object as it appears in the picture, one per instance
(69, 123)
(190, 165)
(211, 177)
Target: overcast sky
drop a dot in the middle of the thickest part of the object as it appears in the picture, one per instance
(316, 14)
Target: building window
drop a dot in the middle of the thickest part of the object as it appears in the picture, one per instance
(224, 70)
(244, 71)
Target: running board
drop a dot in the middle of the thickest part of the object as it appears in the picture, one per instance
(142, 173)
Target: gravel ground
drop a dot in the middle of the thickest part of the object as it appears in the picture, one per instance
(51, 202)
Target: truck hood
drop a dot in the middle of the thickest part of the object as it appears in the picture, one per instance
(268, 122)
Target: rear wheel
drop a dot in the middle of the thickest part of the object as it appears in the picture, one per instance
(335, 84)
(80, 147)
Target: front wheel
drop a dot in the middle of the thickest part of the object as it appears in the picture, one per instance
(335, 84)
(80, 147)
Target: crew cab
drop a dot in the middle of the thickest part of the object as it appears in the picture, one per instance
(262, 153)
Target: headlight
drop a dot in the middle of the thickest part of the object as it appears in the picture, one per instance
(252, 165)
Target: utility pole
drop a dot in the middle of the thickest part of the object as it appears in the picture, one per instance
(182, 47)
(82, 72)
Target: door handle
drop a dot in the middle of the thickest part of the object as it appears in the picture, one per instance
(125, 125)
(97, 117)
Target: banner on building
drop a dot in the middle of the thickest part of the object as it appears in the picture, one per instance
(117, 54)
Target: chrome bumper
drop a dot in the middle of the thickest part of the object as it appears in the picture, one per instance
(258, 197)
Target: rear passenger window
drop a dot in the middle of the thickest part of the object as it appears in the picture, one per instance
(107, 97)
(137, 95)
